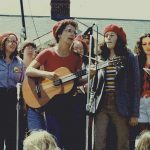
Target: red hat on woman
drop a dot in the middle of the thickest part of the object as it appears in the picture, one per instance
(118, 30)
(6, 35)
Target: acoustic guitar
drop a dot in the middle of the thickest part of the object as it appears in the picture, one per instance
(39, 91)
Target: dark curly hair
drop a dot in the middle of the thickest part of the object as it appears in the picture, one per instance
(141, 55)
(63, 25)
(139, 50)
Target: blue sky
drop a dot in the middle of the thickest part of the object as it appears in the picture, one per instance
(118, 9)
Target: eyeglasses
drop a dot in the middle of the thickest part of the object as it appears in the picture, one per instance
(70, 31)
(11, 41)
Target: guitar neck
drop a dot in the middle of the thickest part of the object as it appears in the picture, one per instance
(72, 76)
(81, 73)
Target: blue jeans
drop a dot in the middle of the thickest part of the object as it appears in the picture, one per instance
(35, 120)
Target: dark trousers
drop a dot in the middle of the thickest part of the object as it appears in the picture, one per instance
(65, 119)
(8, 119)
(134, 131)
(102, 119)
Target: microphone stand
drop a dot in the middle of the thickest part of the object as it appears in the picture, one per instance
(89, 30)
(17, 121)
(93, 125)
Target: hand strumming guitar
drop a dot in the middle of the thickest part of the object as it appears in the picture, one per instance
(52, 75)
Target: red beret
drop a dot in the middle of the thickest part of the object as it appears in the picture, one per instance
(60, 23)
(6, 35)
(56, 27)
(118, 30)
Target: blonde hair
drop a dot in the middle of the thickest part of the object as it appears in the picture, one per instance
(144, 141)
(40, 140)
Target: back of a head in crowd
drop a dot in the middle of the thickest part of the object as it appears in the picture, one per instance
(40, 140)
(144, 141)
(61, 25)
(3, 39)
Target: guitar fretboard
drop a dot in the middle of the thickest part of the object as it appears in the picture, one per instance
(83, 72)
(80, 73)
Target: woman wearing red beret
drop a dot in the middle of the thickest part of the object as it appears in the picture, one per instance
(117, 90)
(11, 72)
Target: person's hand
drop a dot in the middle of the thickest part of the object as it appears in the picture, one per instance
(52, 75)
(92, 71)
(133, 121)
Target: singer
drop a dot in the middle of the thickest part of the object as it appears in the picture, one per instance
(11, 72)
(60, 111)
(118, 87)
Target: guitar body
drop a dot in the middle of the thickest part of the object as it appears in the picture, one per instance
(46, 87)
(39, 91)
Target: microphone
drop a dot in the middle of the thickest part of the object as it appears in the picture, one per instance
(18, 86)
(89, 29)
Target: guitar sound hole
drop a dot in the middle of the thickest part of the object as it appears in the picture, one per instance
(57, 82)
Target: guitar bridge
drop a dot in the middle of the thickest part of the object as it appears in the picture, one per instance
(38, 91)
(37, 88)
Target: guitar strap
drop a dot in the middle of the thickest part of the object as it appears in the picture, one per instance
(100, 85)
(96, 93)
(95, 82)
(97, 85)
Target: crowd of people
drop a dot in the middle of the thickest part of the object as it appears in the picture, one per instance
(121, 91)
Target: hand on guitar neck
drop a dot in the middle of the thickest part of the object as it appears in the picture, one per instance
(92, 73)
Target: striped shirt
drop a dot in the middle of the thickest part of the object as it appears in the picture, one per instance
(110, 79)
